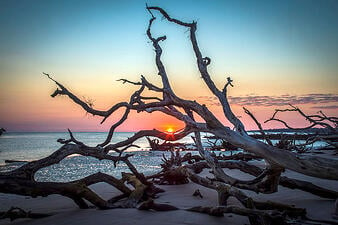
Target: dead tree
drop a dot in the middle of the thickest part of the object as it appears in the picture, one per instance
(21, 181)
(330, 123)
(320, 119)
(155, 145)
(2, 130)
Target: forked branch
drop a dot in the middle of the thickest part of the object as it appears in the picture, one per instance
(314, 120)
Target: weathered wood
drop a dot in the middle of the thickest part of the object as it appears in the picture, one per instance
(312, 166)
(238, 156)
(155, 145)
(28, 170)
(151, 205)
(335, 214)
(197, 193)
(16, 213)
(137, 194)
(283, 180)
(319, 119)
(279, 136)
(224, 191)
(2, 130)
(75, 191)
(15, 161)
(261, 217)
(308, 187)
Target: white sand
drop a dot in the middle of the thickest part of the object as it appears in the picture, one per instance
(66, 212)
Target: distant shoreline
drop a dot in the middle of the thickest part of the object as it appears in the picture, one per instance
(311, 130)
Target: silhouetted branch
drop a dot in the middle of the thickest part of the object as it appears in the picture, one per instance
(313, 119)
(258, 125)
(202, 66)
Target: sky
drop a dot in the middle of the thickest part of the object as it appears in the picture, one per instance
(277, 52)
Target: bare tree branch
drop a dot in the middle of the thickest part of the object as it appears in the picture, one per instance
(258, 125)
(315, 120)
(202, 66)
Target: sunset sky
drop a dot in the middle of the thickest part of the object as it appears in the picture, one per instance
(277, 52)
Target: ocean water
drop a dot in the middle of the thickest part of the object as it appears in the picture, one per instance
(34, 146)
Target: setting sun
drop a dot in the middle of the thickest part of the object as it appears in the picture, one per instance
(170, 130)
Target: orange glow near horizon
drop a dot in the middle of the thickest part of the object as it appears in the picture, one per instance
(170, 130)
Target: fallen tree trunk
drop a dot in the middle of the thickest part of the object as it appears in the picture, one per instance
(283, 181)
(76, 191)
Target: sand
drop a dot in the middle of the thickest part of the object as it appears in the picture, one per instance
(66, 212)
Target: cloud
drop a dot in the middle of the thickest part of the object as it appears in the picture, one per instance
(325, 107)
(282, 100)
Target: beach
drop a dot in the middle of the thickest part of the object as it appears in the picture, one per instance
(64, 211)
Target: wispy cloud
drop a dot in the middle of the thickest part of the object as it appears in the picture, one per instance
(325, 107)
(282, 100)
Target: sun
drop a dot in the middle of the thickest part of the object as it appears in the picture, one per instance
(170, 130)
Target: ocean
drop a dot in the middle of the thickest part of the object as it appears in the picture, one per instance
(29, 146)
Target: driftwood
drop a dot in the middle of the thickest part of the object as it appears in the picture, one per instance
(283, 181)
(17, 213)
(21, 181)
(225, 191)
(278, 136)
(257, 217)
(214, 144)
(258, 212)
(151, 205)
(320, 119)
(197, 193)
(141, 189)
(15, 161)
(2, 130)
(155, 145)
(169, 104)
(138, 194)
(285, 141)
(335, 214)
(188, 157)
(329, 123)
(77, 191)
